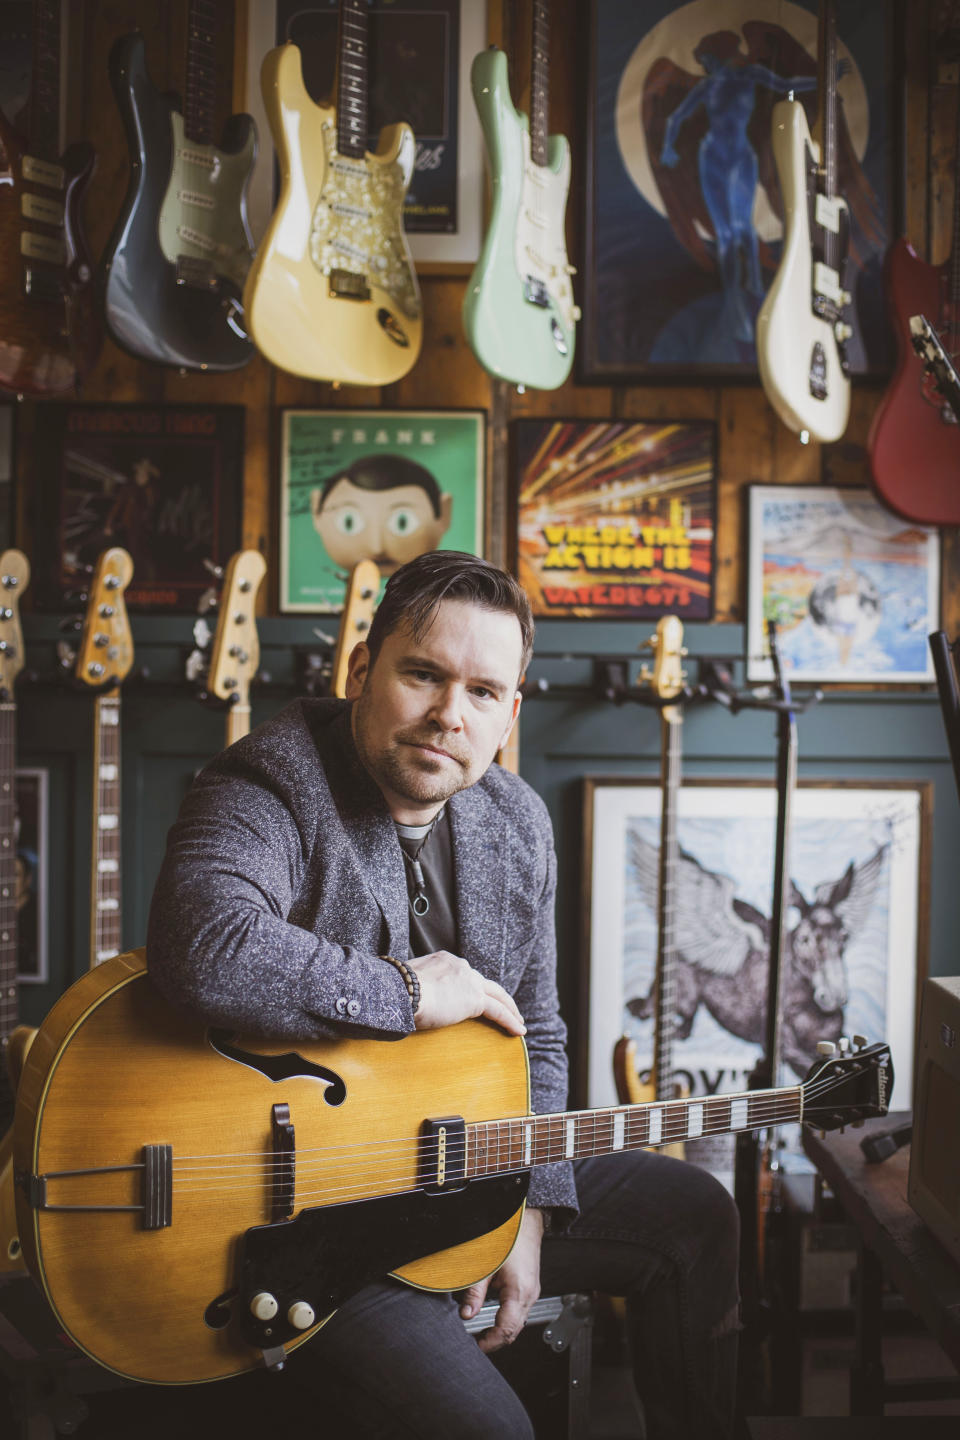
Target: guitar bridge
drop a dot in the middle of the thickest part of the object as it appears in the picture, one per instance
(346, 285)
(535, 292)
(196, 272)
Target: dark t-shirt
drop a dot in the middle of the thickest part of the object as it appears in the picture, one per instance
(436, 927)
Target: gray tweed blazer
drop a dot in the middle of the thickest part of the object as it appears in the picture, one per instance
(284, 881)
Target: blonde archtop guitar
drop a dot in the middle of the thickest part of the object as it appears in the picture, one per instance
(195, 1203)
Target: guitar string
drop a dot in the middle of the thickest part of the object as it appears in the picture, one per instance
(541, 1153)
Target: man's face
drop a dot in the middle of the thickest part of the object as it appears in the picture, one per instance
(431, 715)
(387, 526)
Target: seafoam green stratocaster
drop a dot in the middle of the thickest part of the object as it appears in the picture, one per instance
(518, 312)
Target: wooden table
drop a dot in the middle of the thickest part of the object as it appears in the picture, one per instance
(894, 1243)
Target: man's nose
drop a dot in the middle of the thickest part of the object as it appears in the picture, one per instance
(447, 709)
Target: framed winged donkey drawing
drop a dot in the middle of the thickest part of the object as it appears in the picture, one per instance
(855, 928)
(684, 216)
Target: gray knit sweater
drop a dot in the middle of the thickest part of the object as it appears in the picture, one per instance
(283, 883)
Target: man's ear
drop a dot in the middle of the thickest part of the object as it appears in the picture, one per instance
(358, 668)
(513, 719)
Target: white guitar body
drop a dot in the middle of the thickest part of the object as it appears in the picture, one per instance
(524, 249)
(338, 219)
(203, 215)
(793, 343)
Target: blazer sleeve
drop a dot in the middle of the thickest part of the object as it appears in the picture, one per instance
(219, 940)
(552, 1187)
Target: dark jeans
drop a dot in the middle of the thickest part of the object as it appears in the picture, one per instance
(658, 1231)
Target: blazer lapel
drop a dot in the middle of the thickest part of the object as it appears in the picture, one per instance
(478, 867)
(378, 850)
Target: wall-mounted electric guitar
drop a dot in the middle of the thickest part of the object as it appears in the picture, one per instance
(49, 328)
(667, 680)
(803, 324)
(189, 1217)
(518, 311)
(14, 578)
(176, 263)
(363, 587)
(333, 293)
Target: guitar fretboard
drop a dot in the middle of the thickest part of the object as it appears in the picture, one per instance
(352, 79)
(827, 83)
(105, 912)
(497, 1147)
(201, 89)
(8, 871)
(667, 949)
(539, 83)
(45, 91)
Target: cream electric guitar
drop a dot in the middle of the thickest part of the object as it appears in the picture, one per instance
(14, 577)
(333, 292)
(802, 327)
(518, 310)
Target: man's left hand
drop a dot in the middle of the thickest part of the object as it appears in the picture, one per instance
(517, 1283)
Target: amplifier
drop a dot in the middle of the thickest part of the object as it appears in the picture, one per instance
(933, 1188)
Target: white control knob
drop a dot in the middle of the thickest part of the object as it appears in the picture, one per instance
(301, 1315)
(263, 1306)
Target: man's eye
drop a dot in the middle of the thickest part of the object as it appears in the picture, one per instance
(350, 520)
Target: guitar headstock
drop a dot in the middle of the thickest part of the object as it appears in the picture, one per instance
(358, 606)
(848, 1085)
(235, 657)
(105, 655)
(668, 677)
(14, 579)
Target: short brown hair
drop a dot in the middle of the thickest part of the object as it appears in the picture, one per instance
(414, 593)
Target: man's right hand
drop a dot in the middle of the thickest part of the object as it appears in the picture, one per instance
(451, 991)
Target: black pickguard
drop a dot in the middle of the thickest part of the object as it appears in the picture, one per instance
(325, 1255)
(146, 311)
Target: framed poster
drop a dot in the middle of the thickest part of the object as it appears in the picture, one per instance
(32, 862)
(854, 590)
(165, 482)
(383, 485)
(684, 217)
(855, 933)
(420, 56)
(616, 518)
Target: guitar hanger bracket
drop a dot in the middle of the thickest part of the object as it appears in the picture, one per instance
(611, 681)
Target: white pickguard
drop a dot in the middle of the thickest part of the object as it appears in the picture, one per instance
(541, 249)
(202, 215)
(358, 222)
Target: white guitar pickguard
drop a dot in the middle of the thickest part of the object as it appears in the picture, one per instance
(202, 213)
(541, 249)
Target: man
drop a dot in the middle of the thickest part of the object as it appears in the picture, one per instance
(384, 508)
(363, 866)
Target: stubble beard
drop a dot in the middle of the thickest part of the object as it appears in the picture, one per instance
(396, 767)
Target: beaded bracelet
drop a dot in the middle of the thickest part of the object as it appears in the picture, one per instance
(410, 978)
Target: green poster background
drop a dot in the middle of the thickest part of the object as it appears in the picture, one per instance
(317, 443)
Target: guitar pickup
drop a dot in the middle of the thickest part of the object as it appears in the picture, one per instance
(535, 292)
(39, 208)
(196, 272)
(827, 212)
(826, 282)
(43, 172)
(347, 285)
(51, 249)
(443, 1154)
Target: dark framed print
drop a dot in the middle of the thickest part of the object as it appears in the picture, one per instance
(382, 485)
(684, 218)
(853, 589)
(616, 518)
(420, 53)
(855, 951)
(31, 786)
(165, 482)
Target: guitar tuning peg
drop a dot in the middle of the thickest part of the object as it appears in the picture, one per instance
(213, 568)
(66, 655)
(826, 1047)
(844, 1045)
(859, 1041)
(72, 625)
(646, 674)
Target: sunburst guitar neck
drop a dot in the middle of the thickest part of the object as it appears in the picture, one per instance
(333, 293)
(518, 311)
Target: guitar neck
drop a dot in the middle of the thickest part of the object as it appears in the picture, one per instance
(498, 1147)
(670, 762)
(786, 785)
(827, 91)
(352, 79)
(8, 871)
(105, 912)
(45, 91)
(539, 82)
(238, 721)
(200, 93)
(954, 279)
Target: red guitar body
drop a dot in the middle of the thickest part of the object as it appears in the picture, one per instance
(50, 332)
(914, 441)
